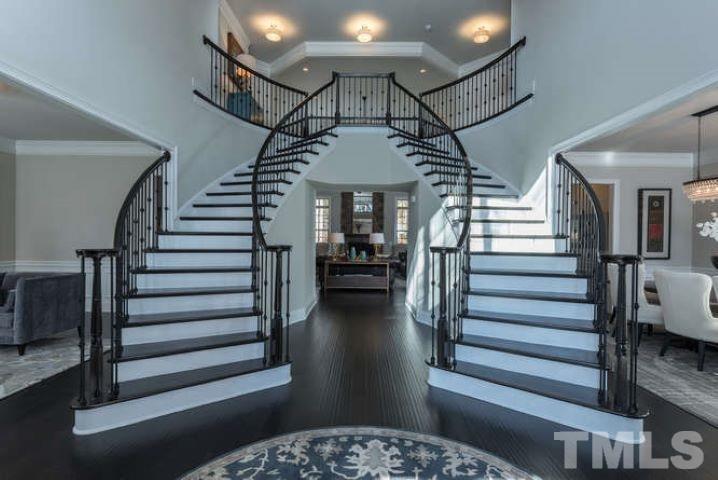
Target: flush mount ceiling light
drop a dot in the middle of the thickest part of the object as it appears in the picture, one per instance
(482, 35)
(701, 189)
(305, 69)
(422, 70)
(364, 34)
(273, 34)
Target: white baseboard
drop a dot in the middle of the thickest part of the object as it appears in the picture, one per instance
(300, 314)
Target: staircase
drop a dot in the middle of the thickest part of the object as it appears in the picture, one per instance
(201, 302)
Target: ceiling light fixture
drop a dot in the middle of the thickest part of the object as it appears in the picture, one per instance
(305, 69)
(364, 34)
(273, 34)
(701, 189)
(422, 70)
(482, 35)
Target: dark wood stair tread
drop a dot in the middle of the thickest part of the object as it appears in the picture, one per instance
(573, 356)
(207, 234)
(189, 269)
(528, 254)
(248, 193)
(568, 392)
(489, 185)
(175, 347)
(186, 292)
(557, 323)
(231, 205)
(199, 250)
(453, 174)
(216, 219)
(527, 273)
(259, 181)
(146, 387)
(277, 171)
(525, 295)
(192, 316)
(494, 195)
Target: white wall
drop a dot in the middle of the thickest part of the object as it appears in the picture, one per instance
(591, 61)
(361, 157)
(630, 179)
(134, 63)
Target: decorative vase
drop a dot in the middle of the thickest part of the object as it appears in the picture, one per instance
(352, 253)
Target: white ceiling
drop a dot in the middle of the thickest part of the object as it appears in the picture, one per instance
(673, 130)
(29, 116)
(390, 21)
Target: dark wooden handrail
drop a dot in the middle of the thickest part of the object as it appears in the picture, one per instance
(493, 62)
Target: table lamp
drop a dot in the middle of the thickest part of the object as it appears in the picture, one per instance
(376, 239)
(336, 239)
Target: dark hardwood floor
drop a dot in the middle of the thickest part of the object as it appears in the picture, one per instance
(357, 361)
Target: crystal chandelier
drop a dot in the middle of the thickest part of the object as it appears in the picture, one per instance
(701, 189)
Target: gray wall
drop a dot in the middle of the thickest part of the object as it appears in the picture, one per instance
(151, 57)
(631, 179)
(64, 203)
(407, 72)
(591, 61)
(7, 207)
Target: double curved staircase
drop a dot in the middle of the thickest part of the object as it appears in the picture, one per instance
(518, 298)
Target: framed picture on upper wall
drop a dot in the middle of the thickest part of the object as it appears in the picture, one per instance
(654, 223)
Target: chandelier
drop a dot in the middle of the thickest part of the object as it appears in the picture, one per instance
(701, 189)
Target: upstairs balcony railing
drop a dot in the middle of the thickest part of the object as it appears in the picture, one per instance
(245, 93)
(480, 95)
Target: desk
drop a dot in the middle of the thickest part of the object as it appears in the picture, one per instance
(369, 275)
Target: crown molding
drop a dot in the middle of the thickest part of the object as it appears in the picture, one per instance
(630, 159)
(7, 145)
(355, 49)
(235, 25)
(84, 148)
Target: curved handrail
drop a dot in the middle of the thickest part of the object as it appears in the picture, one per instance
(493, 62)
(122, 214)
(600, 220)
(466, 228)
(233, 60)
(256, 214)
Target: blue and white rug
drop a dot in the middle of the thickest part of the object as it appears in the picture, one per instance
(358, 453)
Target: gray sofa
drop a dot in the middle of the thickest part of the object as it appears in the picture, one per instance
(36, 305)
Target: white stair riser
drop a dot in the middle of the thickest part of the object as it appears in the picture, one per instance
(538, 367)
(565, 413)
(199, 259)
(214, 225)
(220, 211)
(192, 280)
(490, 191)
(497, 202)
(184, 330)
(187, 303)
(542, 245)
(525, 306)
(120, 414)
(519, 228)
(529, 283)
(523, 263)
(151, 367)
(205, 241)
(224, 198)
(538, 335)
(518, 215)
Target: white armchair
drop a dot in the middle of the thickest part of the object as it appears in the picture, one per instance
(685, 299)
(648, 313)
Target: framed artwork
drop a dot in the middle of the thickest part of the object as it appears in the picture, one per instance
(654, 223)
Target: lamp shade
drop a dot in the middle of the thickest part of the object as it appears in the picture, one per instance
(376, 238)
(336, 237)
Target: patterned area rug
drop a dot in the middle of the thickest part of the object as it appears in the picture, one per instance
(676, 379)
(42, 359)
(358, 453)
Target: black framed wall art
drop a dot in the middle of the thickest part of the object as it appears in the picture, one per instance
(654, 223)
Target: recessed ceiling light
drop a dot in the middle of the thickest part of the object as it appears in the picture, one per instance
(482, 35)
(273, 34)
(422, 70)
(305, 69)
(364, 34)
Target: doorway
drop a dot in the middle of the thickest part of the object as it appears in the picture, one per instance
(608, 196)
